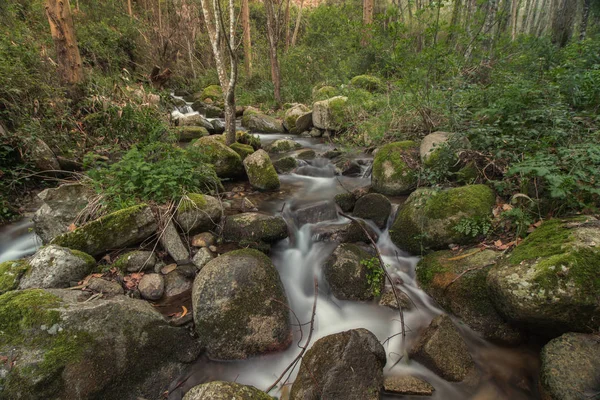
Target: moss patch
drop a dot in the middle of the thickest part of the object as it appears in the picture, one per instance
(324, 93)
(395, 168)
(368, 82)
(192, 201)
(11, 273)
(243, 150)
(476, 199)
(212, 92)
(285, 164)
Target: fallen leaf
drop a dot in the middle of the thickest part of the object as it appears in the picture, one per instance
(184, 313)
(86, 280)
(72, 227)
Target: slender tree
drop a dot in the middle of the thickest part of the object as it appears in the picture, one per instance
(63, 34)
(585, 16)
(273, 35)
(297, 26)
(563, 19)
(247, 37)
(129, 8)
(514, 18)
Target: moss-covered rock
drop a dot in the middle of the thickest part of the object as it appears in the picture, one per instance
(304, 122)
(244, 150)
(348, 276)
(368, 82)
(195, 120)
(219, 390)
(198, 213)
(227, 163)
(240, 306)
(189, 133)
(212, 92)
(345, 201)
(441, 144)
(291, 115)
(260, 171)
(11, 273)
(249, 139)
(255, 121)
(346, 365)
(396, 168)
(550, 283)
(135, 261)
(466, 297)
(428, 219)
(254, 227)
(285, 164)
(373, 206)
(330, 114)
(213, 111)
(282, 146)
(324, 93)
(116, 230)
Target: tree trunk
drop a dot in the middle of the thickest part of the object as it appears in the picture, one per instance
(490, 20)
(129, 9)
(287, 25)
(585, 16)
(63, 33)
(367, 20)
(455, 20)
(247, 38)
(273, 23)
(297, 27)
(525, 17)
(563, 19)
(514, 18)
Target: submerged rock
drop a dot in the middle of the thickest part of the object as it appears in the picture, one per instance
(347, 365)
(227, 163)
(330, 114)
(254, 227)
(317, 212)
(255, 121)
(219, 390)
(260, 171)
(396, 168)
(198, 212)
(549, 283)
(373, 206)
(428, 219)
(240, 306)
(285, 164)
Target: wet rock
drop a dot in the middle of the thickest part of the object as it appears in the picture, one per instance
(202, 257)
(11, 273)
(108, 288)
(441, 348)
(198, 212)
(570, 367)
(189, 133)
(304, 122)
(244, 150)
(330, 114)
(282, 146)
(218, 126)
(317, 212)
(117, 230)
(234, 311)
(347, 365)
(255, 121)
(389, 300)
(172, 243)
(109, 349)
(56, 267)
(375, 207)
(260, 171)
(204, 239)
(428, 219)
(549, 282)
(345, 201)
(407, 386)
(213, 112)
(348, 277)
(176, 283)
(285, 164)
(254, 227)
(136, 261)
(152, 286)
(467, 297)
(315, 132)
(195, 120)
(342, 233)
(219, 390)
(306, 155)
(227, 163)
(61, 207)
(291, 116)
(396, 168)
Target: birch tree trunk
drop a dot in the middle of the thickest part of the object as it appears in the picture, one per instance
(287, 25)
(247, 37)
(514, 18)
(63, 34)
(297, 27)
(273, 25)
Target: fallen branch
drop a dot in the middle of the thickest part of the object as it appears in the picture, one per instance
(465, 272)
(465, 255)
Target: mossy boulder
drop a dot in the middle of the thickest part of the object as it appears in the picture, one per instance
(67, 349)
(240, 306)
(330, 114)
(324, 93)
(304, 122)
(11, 273)
(212, 92)
(466, 296)
(346, 365)
(348, 276)
(189, 133)
(570, 367)
(56, 267)
(396, 168)
(135, 261)
(428, 219)
(255, 121)
(285, 164)
(254, 227)
(550, 283)
(368, 82)
(227, 163)
(198, 213)
(345, 201)
(260, 171)
(441, 144)
(213, 111)
(244, 150)
(283, 146)
(219, 390)
(291, 115)
(373, 206)
(195, 120)
(249, 139)
(116, 230)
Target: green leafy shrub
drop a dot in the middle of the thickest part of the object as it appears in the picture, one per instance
(375, 274)
(473, 227)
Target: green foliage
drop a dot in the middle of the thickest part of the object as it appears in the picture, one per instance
(473, 226)
(375, 274)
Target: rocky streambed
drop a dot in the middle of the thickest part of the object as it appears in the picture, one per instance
(217, 300)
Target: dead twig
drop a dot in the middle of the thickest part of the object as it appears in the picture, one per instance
(465, 272)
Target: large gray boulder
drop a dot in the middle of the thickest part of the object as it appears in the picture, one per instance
(198, 212)
(260, 171)
(226, 162)
(304, 122)
(254, 227)
(195, 120)
(219, 390)
(105, 349)
(56, 267)
(330, 114)
(117, 230)
(240, 306)
(255, 121)
(291, 116)
(60, 208)
(571, 367)
(396, 168)
(347, 365)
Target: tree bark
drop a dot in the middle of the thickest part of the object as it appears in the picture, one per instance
(287, 25)
(63, 34)
(455, 20)
(367, 20)
(585, 16)
(129, 9)
(297, 27)
(525, 17)
(563, 19)
(273, 24)
(247, 38)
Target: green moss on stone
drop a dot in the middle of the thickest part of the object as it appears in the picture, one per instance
(367, 82)
(395, 168)
(243, 150)
(213, 92)
(324, 93)
(285, 164)
(89, 260)
(283, 145)
(337, 110)
(547, 240)
(11, 273)
(476, 199)
(346, 201)
(192, 201)
(188, 133)
(227, 163)
(243, 137)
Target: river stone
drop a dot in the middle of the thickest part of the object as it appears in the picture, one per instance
(260, 171)
(176, 282)
(441, 348)
(227, 163)
(291, 116)
(172, 243)
(255, 121)
(152, 286)
(240, 306)
(285, 164)
(428, 218)
(218, 126)
(60, 208)
(549, 283)
(100, 285)
(117, 230)
(346, 365)
(346, 201)
(467, 297)
(198, 212)
(282, 146)
(304, 122)
(396, 168)
(244, 150)
(347, 232)
(195, 120)
(219, 390)
(189, 133)
(11, 273)
(348, 277)
(42, 156)
(389, 300)
(204, 239)
(317, 212)
(56, 267)
(373, 206)
(111, 349)
(136, 261)
(202, 257)
(407, 386)
(254, 227)
(571, 367)
(330, 114)
(213, 112)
